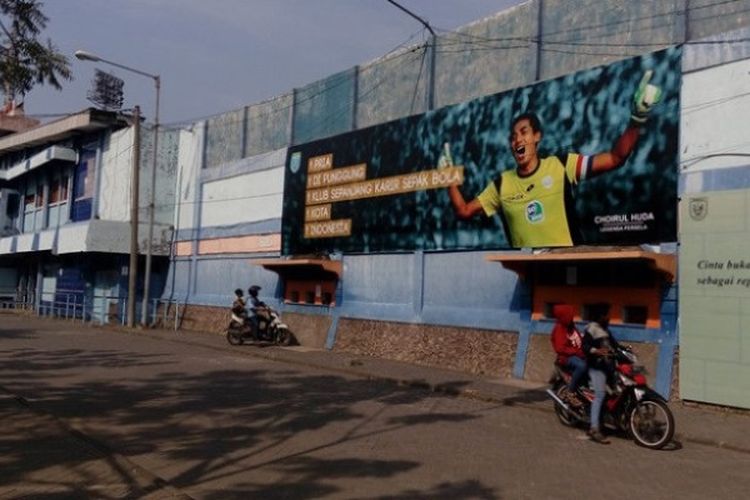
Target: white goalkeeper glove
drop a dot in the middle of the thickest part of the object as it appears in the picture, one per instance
(646, 97)
(445, 159)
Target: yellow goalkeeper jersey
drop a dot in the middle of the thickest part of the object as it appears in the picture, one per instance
(537, 209)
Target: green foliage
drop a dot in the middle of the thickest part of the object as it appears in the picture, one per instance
(25, 60)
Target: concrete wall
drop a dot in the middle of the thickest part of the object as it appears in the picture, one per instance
(166, 175)
(462, 349)
(715, 107)
(243, 198)
(715, 297)
(325, 107)
(540, 358)
(388, 301)
(488, 56)
(714, 187)
(190, 162)
(491, 55)
(392, 87)
(115, 175)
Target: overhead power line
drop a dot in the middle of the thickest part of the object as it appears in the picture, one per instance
(462, 42)
(424, 23)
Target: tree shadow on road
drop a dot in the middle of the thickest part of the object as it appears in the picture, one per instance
(246, 432)
(460, 490)
(526, 397)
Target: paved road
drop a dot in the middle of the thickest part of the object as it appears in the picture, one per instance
(225, 424)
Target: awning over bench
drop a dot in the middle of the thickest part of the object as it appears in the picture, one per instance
(302, 268)
(520, 263)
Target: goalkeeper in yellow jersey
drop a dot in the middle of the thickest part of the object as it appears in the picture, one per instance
(535, 198)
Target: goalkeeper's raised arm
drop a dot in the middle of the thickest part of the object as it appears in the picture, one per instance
(534, 198)
(646, 96)
(463, 209)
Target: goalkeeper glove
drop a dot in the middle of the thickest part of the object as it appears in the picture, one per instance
(646, 96)
(445, 159)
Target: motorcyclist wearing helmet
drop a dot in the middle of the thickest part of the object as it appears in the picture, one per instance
(567, 342)
(258, 308)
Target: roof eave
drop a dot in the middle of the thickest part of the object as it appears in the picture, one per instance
(85, 121)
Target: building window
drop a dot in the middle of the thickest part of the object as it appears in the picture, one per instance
(84, 185)
(549, 309)
(592, 311)
(635, 314)
(28, 202)
(59, 190)
(39, 195)
(12, 208)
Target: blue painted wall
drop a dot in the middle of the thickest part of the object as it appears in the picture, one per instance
(460, 288)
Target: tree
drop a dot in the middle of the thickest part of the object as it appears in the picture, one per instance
(25, 61)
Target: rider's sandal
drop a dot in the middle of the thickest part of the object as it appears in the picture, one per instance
(598, 437)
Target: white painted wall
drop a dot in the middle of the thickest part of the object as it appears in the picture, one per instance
(114, 194)
(715, 111)
(72, 238)
(189, 163)
(243, 198)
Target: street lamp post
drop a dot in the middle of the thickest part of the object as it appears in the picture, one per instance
(87, 56)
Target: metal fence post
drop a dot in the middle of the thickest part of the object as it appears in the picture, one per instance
(154, 307)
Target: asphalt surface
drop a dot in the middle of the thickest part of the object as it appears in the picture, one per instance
(99, 413)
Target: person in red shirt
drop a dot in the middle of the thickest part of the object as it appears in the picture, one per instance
(567, 342)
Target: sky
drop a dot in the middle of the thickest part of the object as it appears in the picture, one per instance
(218, 55)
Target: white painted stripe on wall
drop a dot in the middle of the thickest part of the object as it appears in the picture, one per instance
(243, 198)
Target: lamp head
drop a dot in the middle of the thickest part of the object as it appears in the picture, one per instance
(86, 56)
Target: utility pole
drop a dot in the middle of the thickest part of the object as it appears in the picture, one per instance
(88, 56)
(134, 188)
(433, 52)
(151, 210)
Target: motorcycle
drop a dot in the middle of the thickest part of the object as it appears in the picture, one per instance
(630, 404)
(270, 329)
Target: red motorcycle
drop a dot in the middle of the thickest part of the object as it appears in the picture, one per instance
(630, 405)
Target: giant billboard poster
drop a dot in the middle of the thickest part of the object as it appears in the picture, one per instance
(588, 158)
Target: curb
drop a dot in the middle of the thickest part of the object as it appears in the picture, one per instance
(419, 384)
(153, 483)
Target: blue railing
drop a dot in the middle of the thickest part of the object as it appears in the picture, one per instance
(101, 309)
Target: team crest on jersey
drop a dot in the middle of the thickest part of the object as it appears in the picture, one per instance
(535, 212)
